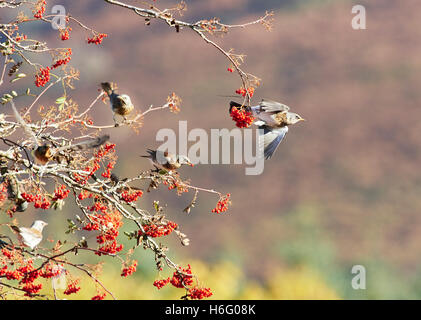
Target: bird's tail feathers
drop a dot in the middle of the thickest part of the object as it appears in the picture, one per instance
(150, 153)
(24, 124)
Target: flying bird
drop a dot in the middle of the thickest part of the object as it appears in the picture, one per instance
(121, 104)
(30, 237)
(273, 118)
(45, 152)
(167, 161)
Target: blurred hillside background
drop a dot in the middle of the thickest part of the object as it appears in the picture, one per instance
(344, 187)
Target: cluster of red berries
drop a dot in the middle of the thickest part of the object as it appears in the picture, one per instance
(161, 283)
(20, 38)
(31, 289)
(38, 200)
(155, 231)
(66, 57)
(102, 152)
(65, 33)
(222, 204)
(98, 207)
(39, 9)
(230, 70)
(97, 39)
(7, 253)
(110, 167)
(105, 150)
(180, 279)
(84, 195)
(242, 118)
(72, 287)
(129, 270)
(99, 296)
(244, 92)
(108, 224)
(60, 193)
(24, 271)
(110, 248)
(174, 184)
(10, 274)
(183, 278)
(60, 62)
(42, 77)
(51, 270)
(199, 293)
(131, 197)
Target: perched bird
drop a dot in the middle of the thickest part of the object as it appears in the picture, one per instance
(45, 152)
(30, 237)
(14, 194)
(167, 161)
(116, 181)
(273, 118)
(120, 103)
(13, 187)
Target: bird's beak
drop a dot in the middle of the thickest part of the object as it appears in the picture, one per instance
(190, 164)
(302, 119)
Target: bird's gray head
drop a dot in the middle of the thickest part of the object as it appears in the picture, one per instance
(293, 118)
(184, 160)
(39, 225)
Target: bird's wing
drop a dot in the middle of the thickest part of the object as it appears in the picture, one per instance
(273, 106)
(122, 100)
(87, 144)
(126, 99)
(271, 139)
(24, 124)
(30, 237)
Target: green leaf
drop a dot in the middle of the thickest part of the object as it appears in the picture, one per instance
(61, 100)
(18, 76)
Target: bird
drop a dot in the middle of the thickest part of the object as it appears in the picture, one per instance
(30, 237)
(13, 187)
(45, 152)
(14, 194)
(167, 161)
(117, 181)
(121, 104)
(273, 118)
